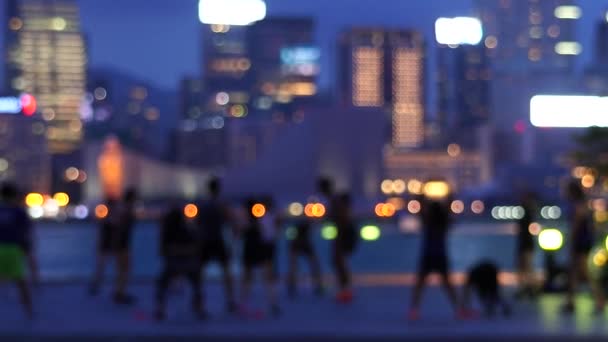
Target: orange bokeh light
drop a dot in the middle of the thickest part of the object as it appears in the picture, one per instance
(318, 210)
(190, 210)
(101, 211)
(258, 210)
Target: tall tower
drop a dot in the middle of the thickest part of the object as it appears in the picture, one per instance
(385, 69)
(531, 35)
(47, 58)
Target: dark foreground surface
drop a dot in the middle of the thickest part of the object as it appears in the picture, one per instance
(66, 313)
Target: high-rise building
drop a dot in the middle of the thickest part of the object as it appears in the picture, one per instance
(464, 78)
(534, 34)
(47, 58)
(191, 98)
(226, 70)
(285, 60)
(385, 69)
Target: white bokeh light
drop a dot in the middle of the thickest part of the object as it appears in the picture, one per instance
(231, 12)
(458, 31)
(568, 111)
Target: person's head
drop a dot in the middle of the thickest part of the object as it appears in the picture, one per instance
(130, 195)
(574, 191)
(9, 192)
(214, 186)
(325, 185)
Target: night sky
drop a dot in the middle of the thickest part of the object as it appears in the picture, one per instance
(159, 40)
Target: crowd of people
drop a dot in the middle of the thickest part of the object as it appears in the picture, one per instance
(188, 243)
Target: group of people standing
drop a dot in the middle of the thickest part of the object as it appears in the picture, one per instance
(188, 243)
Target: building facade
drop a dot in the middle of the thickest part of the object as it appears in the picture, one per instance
(382, 68)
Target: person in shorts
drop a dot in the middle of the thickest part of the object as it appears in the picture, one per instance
(16, 245)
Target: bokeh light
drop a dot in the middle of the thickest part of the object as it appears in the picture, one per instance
(296, 209)
(599, 258)
(414, 187)
(550, 239)
(34, 200)
(370, 233)
(318, 210)
(436, 189)
(329, 233)
(399, 186)
(457, 207)
(386, 186)
(258, 210)
(101, 211)
(414, 206)
(190, 210)
(291, 233)
(534, 228)
(62, 199)
(477, 207)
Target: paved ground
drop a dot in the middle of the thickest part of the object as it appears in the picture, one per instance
(67, 313)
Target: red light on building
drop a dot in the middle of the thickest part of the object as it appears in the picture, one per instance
(28, 104)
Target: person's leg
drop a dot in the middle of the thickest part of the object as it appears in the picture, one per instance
(573, 275)
(292, 273)
(25, 297)
(123, 259)
(596, 290)
(315, 269)
(449, 289)
(194, 277)
(340, 268)
(228, 284)
(246, 286)
(416, 296)
(100, 263)
(270, 278)
(162, 286)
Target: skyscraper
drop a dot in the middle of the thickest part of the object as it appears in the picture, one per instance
(285, 60)
(47, 58)
(534, 34)
(385, 69)
(464, 92)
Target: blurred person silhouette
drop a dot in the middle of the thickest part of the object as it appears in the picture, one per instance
(16, 245)
(435, 215)
(259, 248)
(525, 247)
(180, 251)
(214, 217)
(302, 245)
(339, 213)
(581, 241)
(115, 241)
(482, 279)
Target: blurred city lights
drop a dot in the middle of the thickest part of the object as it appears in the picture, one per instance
(399, 186)
(81, 212)
(51, 207)
(588, 181)
(568, 12)
(458, 31)
(291, 233)
(35, 212)
(34, 200)
(318, 210)
(415, 187)
(454, 150)
(386, 186)
(370, 233)
(568, 48)
(550, 239)
(409, 224)
(600, 216)
(534, 228)
(385, 210)
(414, 206)
(579, 172)
(296, 209)
(477, 207)
(190, 210)
(329, 232)
(222, 98)
(508, 212)
(436, 189)
(62, 199)
(457, 207)
(599, 258)
(231, 12)
(606, 242)
(101, 211)
(258, 210)
(397, 202)
(568, 111)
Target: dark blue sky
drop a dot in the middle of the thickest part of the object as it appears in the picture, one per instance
(159, 40)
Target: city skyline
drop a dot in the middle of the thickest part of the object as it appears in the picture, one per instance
(175, 27)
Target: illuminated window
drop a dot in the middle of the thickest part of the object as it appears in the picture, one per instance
(568, 48)
(568, 12)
